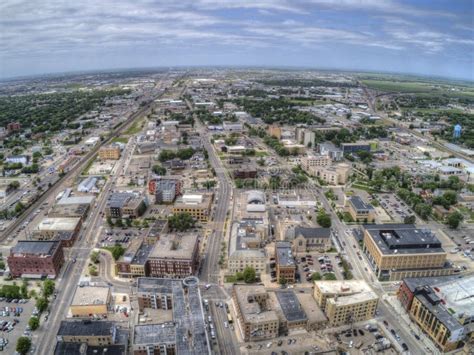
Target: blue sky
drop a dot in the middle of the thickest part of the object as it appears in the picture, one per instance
(428, 37)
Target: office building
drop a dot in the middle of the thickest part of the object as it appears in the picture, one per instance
(285, 262)
(355, 147)
(257, 321)
(443, 307)
(315, 160)
(197, 205)
(331, 175)
(111, 152)
(174, 256)
(345, 302)
(36, 259)
(125, 205)
(64, 229)
(396, 251)
(359, 210)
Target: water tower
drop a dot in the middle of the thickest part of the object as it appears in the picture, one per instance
(457, 131)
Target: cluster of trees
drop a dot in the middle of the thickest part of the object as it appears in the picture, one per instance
(158, 169)
(447, 199)
(51, 112)
(434, 182)
(248, 275)
(181, 222)
(277, 110)
(117, 251)
(276, 145)
(415, 202)
(346, 136)
(183, 154)
(323, 219)
(181, 117)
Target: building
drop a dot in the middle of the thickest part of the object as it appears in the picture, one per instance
(233, 126)
(396, 251)
(134, 262)
(36, 259)
(443, 307)
(125, 205)
(305, 239)
(93, 333)
(186, 333)
(75, 207)
(285, 262)
(256, 201)
(359, 210)
(165, 190)
(174, 256)
(331, 150)
(88, 185)
(245, 171)
(355, 147)
(152, 183)
(274, 131)
(13, 127)
(64, 229)
(247, 237)
(257, 321)
(290, 312)
(18, 159)
(197, 205)
(111, 152)
(315, 160)
(332, 175)
(90, 301)
(345, 302)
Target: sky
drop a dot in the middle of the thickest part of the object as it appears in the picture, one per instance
(428, 37)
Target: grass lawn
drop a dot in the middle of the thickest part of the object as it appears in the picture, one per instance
(123, 140)
(135, 128)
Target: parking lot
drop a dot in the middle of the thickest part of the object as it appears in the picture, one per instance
(111, 237)
(394, 206)
(14, 317)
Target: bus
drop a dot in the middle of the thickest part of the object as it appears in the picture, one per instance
(229, 318)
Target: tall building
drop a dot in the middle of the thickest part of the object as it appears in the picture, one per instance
(345, 302)
(285, 262)
(111, 152)
(396, 251)
(443, 307)
(197, 205)
(359, 210)
(125, 205)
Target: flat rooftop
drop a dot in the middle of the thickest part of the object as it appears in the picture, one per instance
(76, 200)
(85, 328)
(342, 287)
(311, 308)
(404, 239)
(354, 298)
(155, 285)
(175, 246)
(59, 224)
(162, 333)
(35, 247)
(359, 204)
(90, 295)
(250, 309)
(291, 307)
(284, 256)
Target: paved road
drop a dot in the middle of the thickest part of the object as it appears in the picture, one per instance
(72, 271)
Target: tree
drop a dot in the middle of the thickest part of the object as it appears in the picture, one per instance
(249, 275)
(42, 304)
(316, 276)
(95, 257)
(14, 185)
(24, 289)
(409, 219)
(109, 221)
(423, 210)
(282, 281)
(23, 345)
(117, 251)
(454, 219)
(181, 221)
(48, 288)
(323, 219)
(158, 170)
(34, 323)
(329, 276)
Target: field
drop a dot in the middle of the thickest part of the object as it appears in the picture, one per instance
(422, 88)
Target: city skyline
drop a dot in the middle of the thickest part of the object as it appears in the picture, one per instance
(413, 37)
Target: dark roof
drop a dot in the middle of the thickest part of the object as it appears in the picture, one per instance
(359, 204)
(155, 285)
(63, 348)
(86, 328)
(119, 199)
(312, 232)
(283, 253)
(35, 247)
(290, 306)
(403, 239)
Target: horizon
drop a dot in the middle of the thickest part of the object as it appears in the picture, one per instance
(412, 37)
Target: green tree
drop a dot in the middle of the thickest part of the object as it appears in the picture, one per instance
(454, 219)
(95, 257)
(323, 219)
(423, 210)
(117, 251)
(48, 288)
(409, 219)
(23, 345)
(24, 289)
(158, 170)
(316, 276)
(181, 221)
(42, 304)
(14, 185)
(34, 323)
(249, 275)
(282, 281)
(329, 276)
